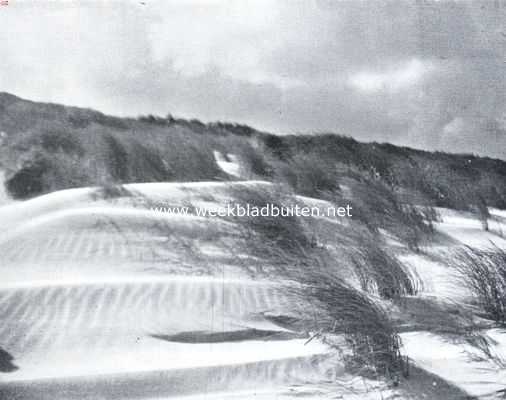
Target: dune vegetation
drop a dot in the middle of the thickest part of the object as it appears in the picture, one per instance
(51, 147)
(342, 283)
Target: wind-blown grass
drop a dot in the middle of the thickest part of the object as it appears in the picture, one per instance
(287, 240)
(379, 272)
(483, 272)
(326, 304)
(378, 206)
(371, 343)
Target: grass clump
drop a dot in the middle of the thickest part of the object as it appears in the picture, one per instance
(378, 206)
(289, 240)
(379, 272)
(483, 272)
(281, 240)
(350, 321)
(328, 306)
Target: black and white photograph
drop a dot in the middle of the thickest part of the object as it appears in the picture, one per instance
(252, 199)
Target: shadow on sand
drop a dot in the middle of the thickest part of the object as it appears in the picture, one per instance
(233, 336)
(6, 364)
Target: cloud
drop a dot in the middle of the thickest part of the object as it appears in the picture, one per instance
(387, 71)
(393, 79)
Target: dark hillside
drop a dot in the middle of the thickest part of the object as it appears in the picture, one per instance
(443, 179)
(46, 147)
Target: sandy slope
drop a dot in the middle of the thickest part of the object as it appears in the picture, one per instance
(103, 298)
(99, 300)
(456, 361)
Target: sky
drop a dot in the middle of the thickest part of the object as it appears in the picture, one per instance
(425, 74)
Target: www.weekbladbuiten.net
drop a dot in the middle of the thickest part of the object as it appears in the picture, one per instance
(249, 210)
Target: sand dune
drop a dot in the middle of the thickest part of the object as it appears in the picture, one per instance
(102, 298)
(95, 303)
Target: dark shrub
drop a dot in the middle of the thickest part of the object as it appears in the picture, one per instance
(28, 182)
(277, 146)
